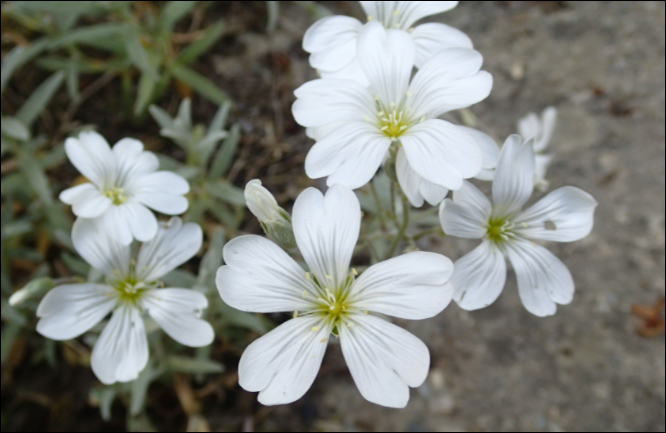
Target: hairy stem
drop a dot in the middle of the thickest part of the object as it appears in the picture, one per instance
(378, 203)
(403, 227)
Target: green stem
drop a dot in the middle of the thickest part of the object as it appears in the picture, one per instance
(403, 227)
(378, 203)
(419, 236)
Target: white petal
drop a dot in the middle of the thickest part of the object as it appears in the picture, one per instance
(163, 192)
(434, 194)
(415, 187)
(548, 121)
(564, 215)
(489, 147)
(178, 312)
(479, 277)
(384, 360)
(92, 156)
(132, 162)
(326, 101)
(260, 277)
(332, 42)
(432, 38)
(467, 215)
(514, 177)
(442, 153)
(352, 71)
(352, 154)
(485, 175)
(318, 133)
(116, 223)
(283, 364)
(326, 231)
(413, 286)
(174, 244)
(101, 251)
(121, 352)
(543, 280)
(529, 127)
(86, 201)
(408, 12)
(129, 221)
(409, 180)
(68, 312)
(387, 59)
(450, 80)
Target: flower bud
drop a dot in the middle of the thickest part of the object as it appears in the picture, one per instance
(261, 202)
(275, 221)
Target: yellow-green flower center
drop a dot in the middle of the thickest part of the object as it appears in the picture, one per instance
(499, 230)
(116, 195)
(129, 290)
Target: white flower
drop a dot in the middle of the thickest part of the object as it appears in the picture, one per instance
(384, 359)
(565, 215)
(354, 126)
(418, 190)
(121, 352)
(261, 202)
(332, 41)
(541, 130)
(124, 184)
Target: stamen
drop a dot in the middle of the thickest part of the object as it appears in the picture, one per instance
(369, 17)
(295, 314)
(315, 329)
(354, 272)
(396, 13)
(305, 294)
(307, 276)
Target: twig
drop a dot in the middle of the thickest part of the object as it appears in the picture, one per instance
(403, 228)
(378, 203)
(87, 93)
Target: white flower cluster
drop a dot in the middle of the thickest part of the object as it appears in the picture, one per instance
(112, 210)
(384, 86)
(369, 108)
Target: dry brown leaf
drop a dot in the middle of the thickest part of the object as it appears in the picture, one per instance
(185, 395)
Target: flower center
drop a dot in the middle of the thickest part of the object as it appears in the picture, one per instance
(390, 20)
(499, 230)
(116, 195)
(332, 304)
(395, 119)
(129, 290)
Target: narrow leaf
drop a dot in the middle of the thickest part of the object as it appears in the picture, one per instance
(192, 52)
(87, 35)
(226, 192)
(161, 117)
(35, 175)
(212, 261)
(17, 58)
(201, 84)
(194, 366)
(14, 128)
(40, 99)
(225, 155)
(217, 125)
(10, 333)
(140, 390)
(174, 11)
(237, 318)
(34, 289)
(144, 94)
(139, 55)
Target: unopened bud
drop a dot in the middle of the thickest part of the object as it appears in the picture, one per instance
(281, 232)
(261, 202)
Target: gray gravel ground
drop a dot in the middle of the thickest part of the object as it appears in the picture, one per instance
(602, 65)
